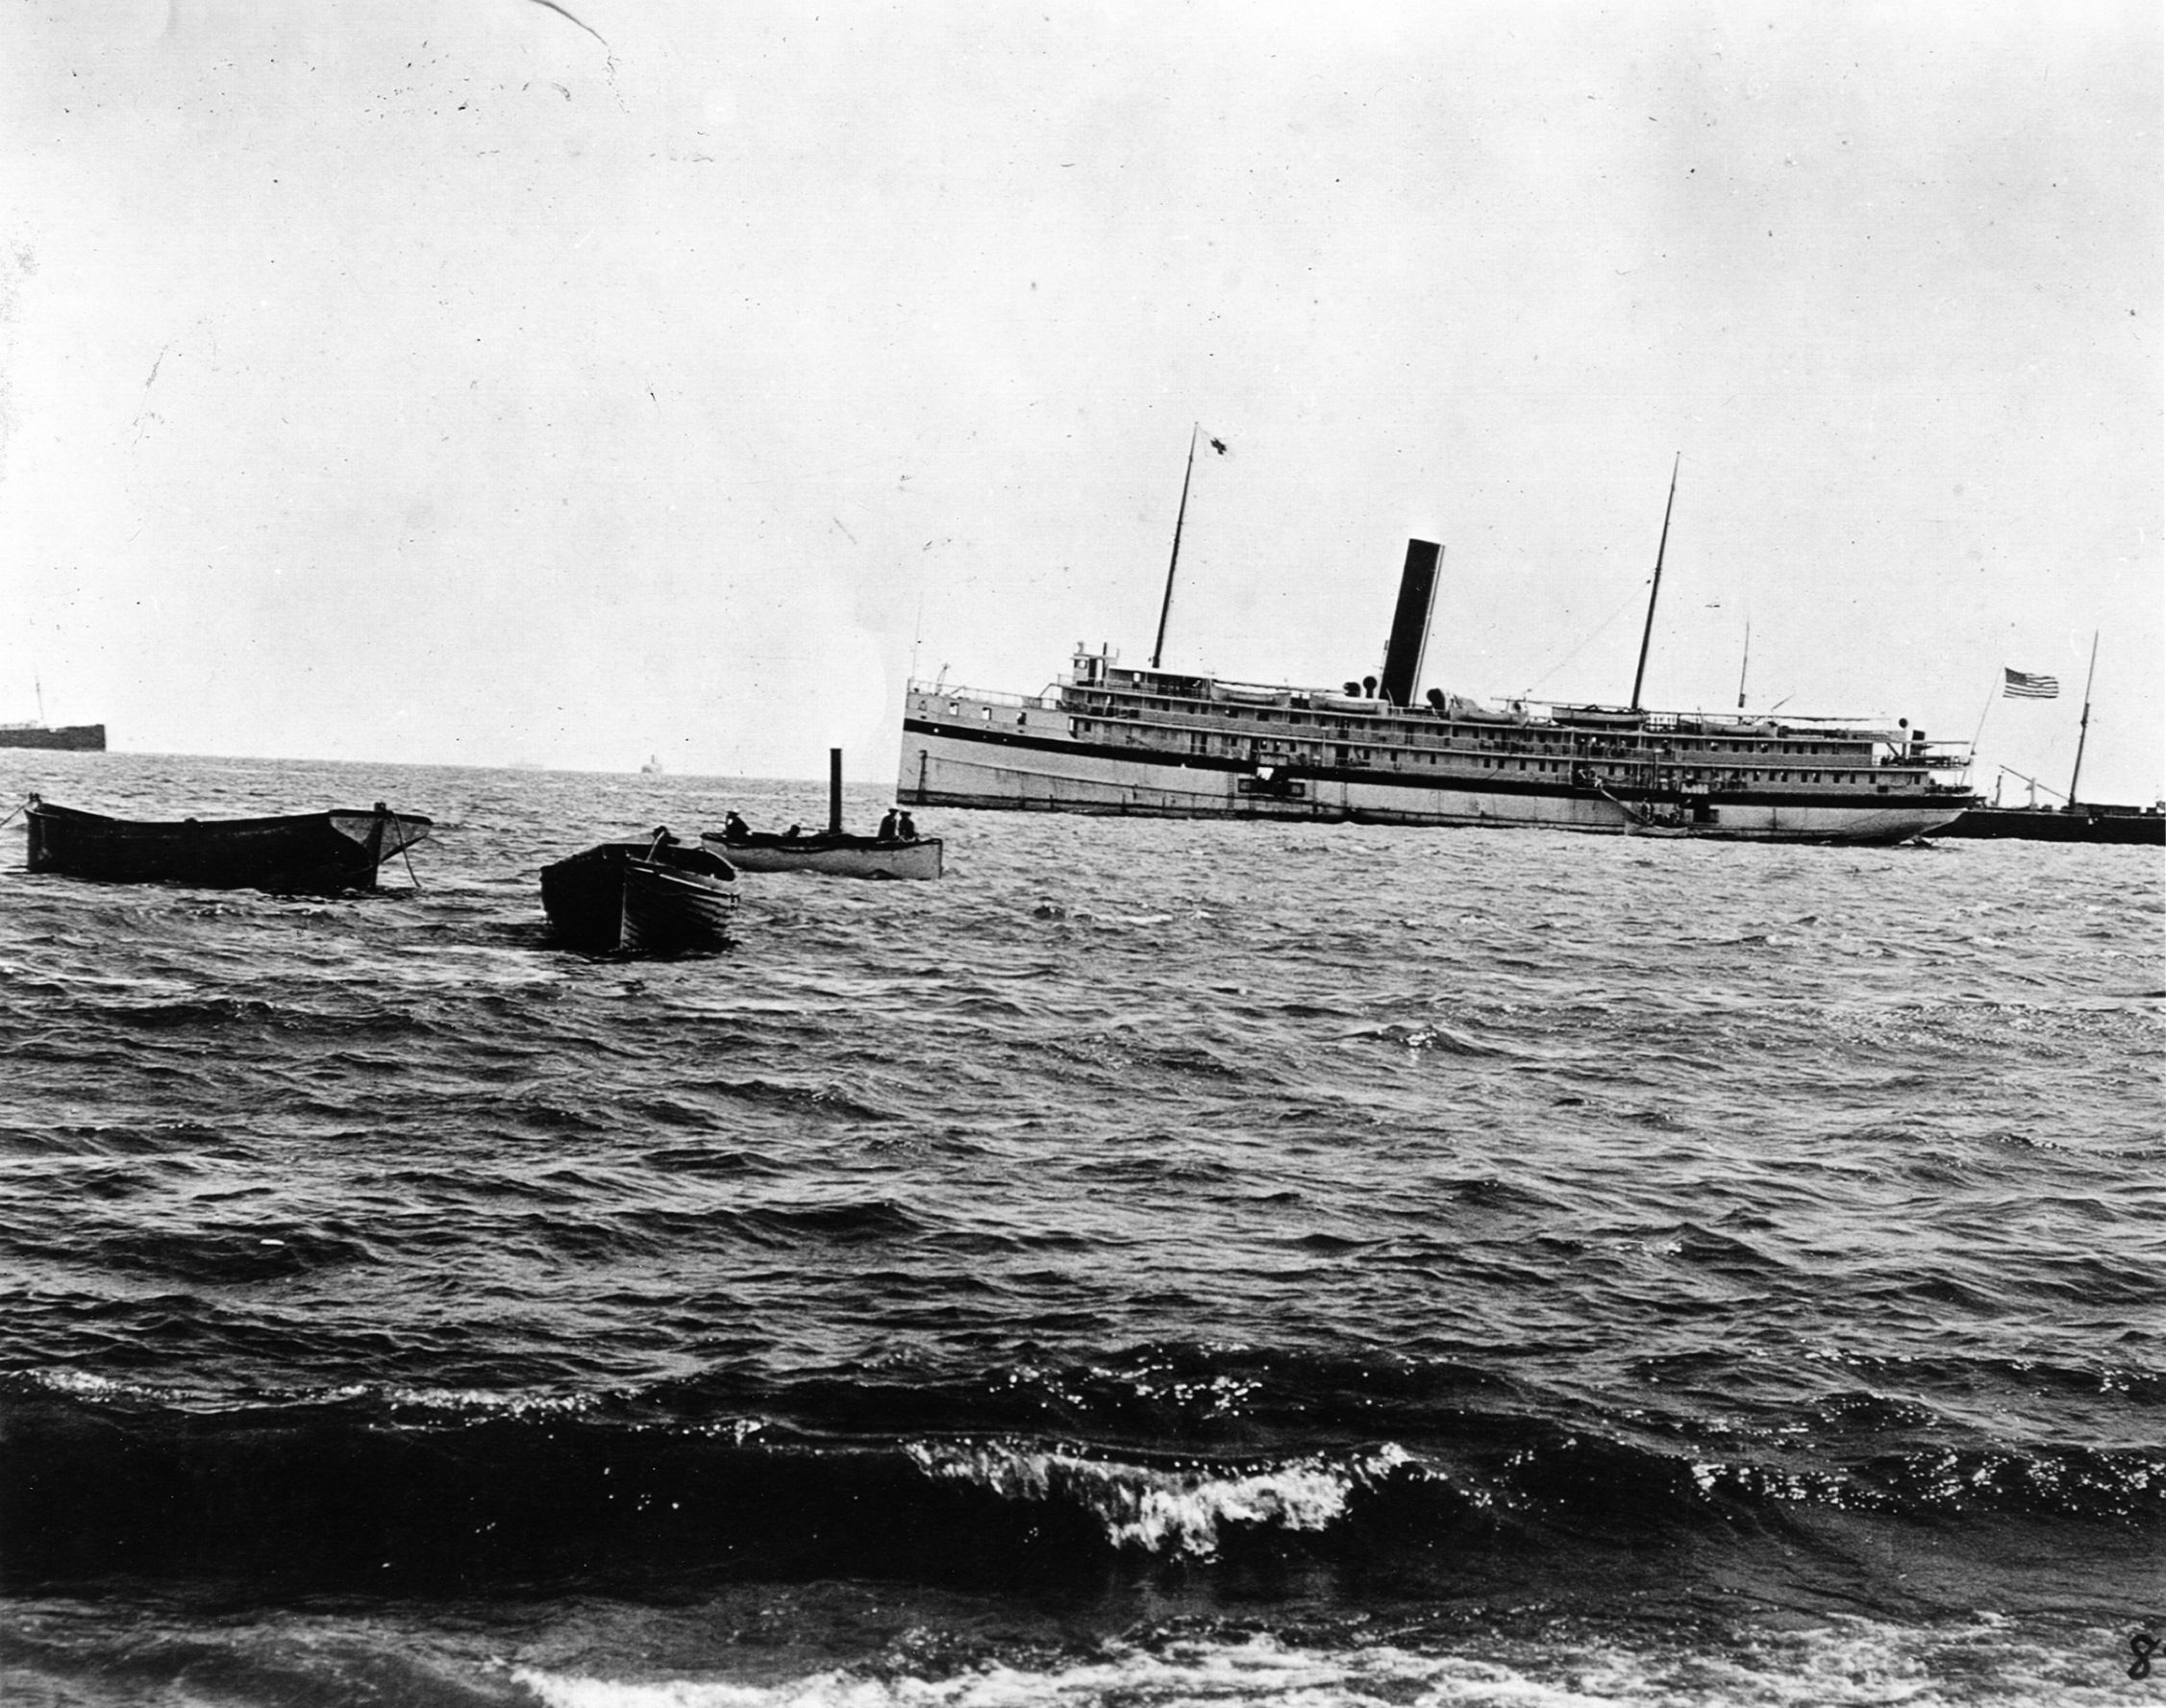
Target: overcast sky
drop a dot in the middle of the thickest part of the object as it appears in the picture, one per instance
(497, 380)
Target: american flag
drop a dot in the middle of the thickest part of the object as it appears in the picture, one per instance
(2021, 684)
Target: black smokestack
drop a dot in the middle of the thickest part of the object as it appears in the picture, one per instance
(1409, 623)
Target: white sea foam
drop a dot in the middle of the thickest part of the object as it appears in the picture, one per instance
(1162, 1509)
(99, 1390)
(83, 1385)
(1854, 1663)
(480, 1402)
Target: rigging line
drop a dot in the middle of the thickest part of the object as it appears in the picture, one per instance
(1632, 599)
(1632, 814)
(1990, 698)
(2023, 776)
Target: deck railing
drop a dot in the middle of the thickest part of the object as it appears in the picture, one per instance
(1654, 744)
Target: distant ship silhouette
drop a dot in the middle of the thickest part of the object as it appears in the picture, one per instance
(89, 738)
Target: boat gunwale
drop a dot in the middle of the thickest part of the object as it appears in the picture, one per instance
(197, 827)
(814, 842)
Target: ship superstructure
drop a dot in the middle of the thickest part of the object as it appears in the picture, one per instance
(1107, 738)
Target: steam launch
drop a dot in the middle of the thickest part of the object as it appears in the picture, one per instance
(1109, 739)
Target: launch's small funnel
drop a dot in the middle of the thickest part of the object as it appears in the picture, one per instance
(1409, 623)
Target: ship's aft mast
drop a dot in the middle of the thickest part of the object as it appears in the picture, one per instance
(1655, 592)
(1158, 646)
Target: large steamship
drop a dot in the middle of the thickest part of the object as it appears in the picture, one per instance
(1157, 743)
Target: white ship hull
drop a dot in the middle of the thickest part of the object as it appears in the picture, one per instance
(965, 760)
(1172, 744)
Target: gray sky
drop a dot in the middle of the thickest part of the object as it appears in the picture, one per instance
(495, 381)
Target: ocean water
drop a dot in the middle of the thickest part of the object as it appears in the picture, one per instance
(1157, 1264)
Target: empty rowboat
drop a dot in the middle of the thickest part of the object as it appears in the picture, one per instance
(298, 853)
(657, 897)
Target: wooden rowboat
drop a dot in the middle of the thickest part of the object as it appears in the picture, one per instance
(657, 897)
(300, 853)
(834, 853)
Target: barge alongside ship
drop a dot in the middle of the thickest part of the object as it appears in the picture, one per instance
(2134, 827)
(1158, 743)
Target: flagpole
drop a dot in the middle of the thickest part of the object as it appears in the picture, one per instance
(2083, 728)
(1158, 646)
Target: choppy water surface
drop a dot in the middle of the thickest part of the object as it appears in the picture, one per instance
(1156, 1264)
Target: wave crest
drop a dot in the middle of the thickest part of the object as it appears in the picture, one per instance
(1163, 1510)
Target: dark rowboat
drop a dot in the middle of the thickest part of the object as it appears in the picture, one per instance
(655, 897)
(303, 854)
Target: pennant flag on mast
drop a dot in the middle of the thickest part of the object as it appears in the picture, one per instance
(1218, 445)
(2021, 684)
